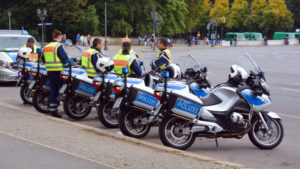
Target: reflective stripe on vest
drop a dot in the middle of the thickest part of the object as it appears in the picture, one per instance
(52, 61)
(169, 55)
(86, 61)
(123, 61)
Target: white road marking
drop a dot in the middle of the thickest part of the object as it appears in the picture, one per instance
(286, 115)
(297, 83)
(288, 89)
(56, 149)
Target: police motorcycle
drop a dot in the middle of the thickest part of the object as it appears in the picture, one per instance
(104, 97)
(236, 108)
(137, 120)
(25, 79)
(84, 92)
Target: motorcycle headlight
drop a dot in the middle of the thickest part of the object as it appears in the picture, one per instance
(4, 64)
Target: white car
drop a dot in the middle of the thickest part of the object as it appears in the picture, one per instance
(11, 41)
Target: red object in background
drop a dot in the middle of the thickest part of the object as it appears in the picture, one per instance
(171, 44)
(198, 35)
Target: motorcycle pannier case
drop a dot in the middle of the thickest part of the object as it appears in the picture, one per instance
(142, 97)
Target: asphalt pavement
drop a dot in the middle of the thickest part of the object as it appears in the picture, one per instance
(281, 65)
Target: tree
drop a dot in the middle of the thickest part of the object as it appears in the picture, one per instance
(90, 21)
(204, 13)
(238, 15)
(294, 7)
(194, 13)
(276, 17)
(220, 10)
(255, 18)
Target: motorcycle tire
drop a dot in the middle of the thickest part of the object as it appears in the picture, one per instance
(164, 138)
(127, 120)
(71, 111)
(102, 111)
(40, 101)
(23, 90)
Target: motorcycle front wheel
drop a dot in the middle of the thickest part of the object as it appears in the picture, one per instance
(134, 123)
(76, 107)
(105, 116)
(23, 90)
(41, 100)
(261, 138)
(171, 133)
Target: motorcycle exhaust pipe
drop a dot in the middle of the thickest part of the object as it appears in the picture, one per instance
(212, 127)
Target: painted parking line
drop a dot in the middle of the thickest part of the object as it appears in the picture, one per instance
(291, 116)
(289, 89)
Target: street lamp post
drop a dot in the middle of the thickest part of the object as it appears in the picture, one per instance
(9, 19)
(158, 23)
(154, 16)
(105, 18)
(42, 15)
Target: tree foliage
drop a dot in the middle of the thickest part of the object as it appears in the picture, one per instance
(220, 10)
(294, 7)
(255, 18)
(276, 16)
(238, 15)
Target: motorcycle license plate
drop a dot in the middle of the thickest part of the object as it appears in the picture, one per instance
(63, 88)
(117, 103)
(31, 85)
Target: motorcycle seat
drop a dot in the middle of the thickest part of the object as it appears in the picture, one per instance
(211, 99)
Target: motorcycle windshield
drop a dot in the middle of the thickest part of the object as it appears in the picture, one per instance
(190, 62)
(248, 63)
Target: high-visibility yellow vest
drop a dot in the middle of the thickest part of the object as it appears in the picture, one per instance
(33, 56)
(86, 61)
(52, 61)
(169, 55)
(123, 61)
(131, 52)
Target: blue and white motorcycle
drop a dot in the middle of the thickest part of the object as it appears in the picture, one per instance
(232, 110)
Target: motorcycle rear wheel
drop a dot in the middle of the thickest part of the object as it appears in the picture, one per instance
(104, 115)
(23, 90)
(130, 125)
(41, 100)
(169, 133)
(76, 107)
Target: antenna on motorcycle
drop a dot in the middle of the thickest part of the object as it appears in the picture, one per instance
(253, 62)
(39, 52)
(165, 75)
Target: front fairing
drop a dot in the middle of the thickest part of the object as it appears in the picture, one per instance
(258, 103)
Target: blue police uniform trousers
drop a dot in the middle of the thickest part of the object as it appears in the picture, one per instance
(55, 84)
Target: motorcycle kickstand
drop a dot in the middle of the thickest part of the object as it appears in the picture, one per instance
(216, 140)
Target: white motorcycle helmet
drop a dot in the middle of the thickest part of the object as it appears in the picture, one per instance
(238, 70)
(23, 52)
(174, 70)
(105, 64)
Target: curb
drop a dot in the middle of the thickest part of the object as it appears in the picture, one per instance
(134, 140)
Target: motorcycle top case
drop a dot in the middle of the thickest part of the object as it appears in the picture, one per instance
(83, 86)
(42, 71)
(143, 97)
(75, 72)
(184, 104)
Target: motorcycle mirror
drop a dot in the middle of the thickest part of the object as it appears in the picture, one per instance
(204, 69)
(124, 70)
(165, 74)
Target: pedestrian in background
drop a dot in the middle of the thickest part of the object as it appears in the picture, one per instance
(78, 38)
(89, 40)
(266, 40)
(139, 40)
(145, 40)
(55, 58)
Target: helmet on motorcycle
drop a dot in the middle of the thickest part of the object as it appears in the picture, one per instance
(174, 70)
(105, 64)
(23, 52)
(237, 70)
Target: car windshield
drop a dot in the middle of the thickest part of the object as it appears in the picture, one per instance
(12, 43)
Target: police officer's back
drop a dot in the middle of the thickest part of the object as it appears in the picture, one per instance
(90, 57)
(54, 57)
(127, 60)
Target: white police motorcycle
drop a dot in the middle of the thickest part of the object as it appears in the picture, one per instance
(232, 110)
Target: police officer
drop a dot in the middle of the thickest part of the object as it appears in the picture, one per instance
(127, 60)
(131, 50)
(55, 58)
(90, 57)
(164, 58)
(30, 44)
